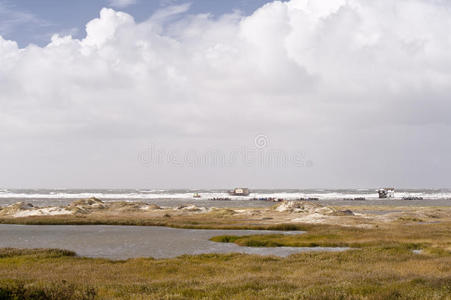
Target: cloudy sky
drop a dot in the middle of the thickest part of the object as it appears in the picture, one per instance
(208, 94)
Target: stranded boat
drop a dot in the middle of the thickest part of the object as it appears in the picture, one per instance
(386, 193)
(240, 192)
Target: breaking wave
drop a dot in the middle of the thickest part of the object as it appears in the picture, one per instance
(142, 194)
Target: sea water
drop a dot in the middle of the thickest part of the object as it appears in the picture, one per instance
(172, 198)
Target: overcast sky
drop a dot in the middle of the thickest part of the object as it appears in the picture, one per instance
(217, 94)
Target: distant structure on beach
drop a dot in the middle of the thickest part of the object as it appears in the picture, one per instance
(240, 192)
(386, 193)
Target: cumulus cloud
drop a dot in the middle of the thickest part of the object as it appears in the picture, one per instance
(316, 74)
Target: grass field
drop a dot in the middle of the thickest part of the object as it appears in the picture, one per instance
(428, 237)
(367, 273)
(382, 266)
(198, 221)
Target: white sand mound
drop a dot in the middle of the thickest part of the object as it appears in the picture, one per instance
(192, 208)
(311, 212)
(88, 203)
(312, 218)
(49, 211)
(304, 207)
(150, 207)
(21, 209)
(16, 207)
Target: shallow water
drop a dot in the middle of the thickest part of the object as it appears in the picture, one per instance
(122, 242)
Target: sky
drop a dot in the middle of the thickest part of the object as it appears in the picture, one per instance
(217, 94)
(31, 21)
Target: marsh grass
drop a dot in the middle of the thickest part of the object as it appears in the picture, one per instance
(367, 273)
(429, 237)
(19, 290)
(52, 253)
(200, 221)
(382, 267)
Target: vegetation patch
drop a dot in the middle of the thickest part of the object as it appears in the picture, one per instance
(19, 290)
(189, 222)
(366, 273)
(50, 253)
(435, 238)
(383, 266)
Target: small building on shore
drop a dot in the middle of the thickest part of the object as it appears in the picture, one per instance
(240, 192)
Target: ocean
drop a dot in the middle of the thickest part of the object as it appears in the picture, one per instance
(175, 197)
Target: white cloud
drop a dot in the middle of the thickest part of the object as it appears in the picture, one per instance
(122, 3)
(320, 75)
(169, 11)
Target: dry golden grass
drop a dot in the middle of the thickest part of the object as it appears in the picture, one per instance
(197, 221)
(382, 267)
(431, 237)
(367, 273)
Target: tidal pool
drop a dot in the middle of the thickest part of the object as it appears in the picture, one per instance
(123, 242)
